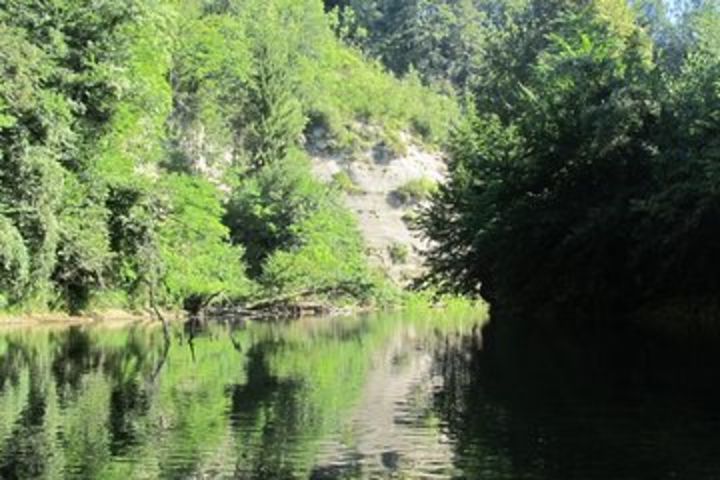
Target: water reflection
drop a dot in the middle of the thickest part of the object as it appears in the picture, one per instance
(317, 398)
(385, 396)
(533, 407)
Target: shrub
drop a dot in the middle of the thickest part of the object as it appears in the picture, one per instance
(399, 253)
(416, 190)
(346, 184)
(340, 82)
(329, 254)
(266, 205)
(410, 218)
(395, 144)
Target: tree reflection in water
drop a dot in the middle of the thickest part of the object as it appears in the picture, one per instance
(388, 396)
(260, 401)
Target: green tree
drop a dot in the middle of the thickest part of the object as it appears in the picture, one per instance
(274, 114)
(83, 252)
(536, 213)
(328, 253)
(443, 40)
(266, 206)
(14, 263)
(198, 260)
(114, 114)
(33, 131)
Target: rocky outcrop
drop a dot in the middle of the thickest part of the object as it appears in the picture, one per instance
(376, 175)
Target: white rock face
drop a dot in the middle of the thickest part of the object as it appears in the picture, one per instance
(377, 175)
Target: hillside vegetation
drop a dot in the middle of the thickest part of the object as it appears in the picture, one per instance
(152, 150)
(173, 151)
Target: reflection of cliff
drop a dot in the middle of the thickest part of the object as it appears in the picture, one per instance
(392, 429)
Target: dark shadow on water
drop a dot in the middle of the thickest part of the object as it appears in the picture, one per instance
(529, 405)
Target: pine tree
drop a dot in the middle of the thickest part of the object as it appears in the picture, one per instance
(275, 116)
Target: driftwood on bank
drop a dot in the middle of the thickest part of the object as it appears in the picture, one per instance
(269, 309)
(283, 306)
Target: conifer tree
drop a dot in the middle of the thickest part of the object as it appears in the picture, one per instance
(275, 116)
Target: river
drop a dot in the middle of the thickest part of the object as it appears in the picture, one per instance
(403, 396)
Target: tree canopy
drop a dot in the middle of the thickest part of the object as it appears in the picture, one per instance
(584, 180)
(136, 136)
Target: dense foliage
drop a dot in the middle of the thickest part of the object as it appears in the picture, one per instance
(585, 177)
(443, 41)
(153, 150)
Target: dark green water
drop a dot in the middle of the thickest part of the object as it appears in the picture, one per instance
(388, 396)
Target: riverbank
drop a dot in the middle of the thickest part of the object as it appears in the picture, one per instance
(414, 302)
(110, 317)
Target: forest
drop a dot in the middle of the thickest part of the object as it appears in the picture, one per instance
(584, 178)
(387, 239)
(156, 151)
(153, 151)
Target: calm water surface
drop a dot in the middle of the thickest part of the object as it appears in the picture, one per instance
(387, 396)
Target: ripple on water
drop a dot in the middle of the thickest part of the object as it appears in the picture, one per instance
(354, 399)
(393, 429)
